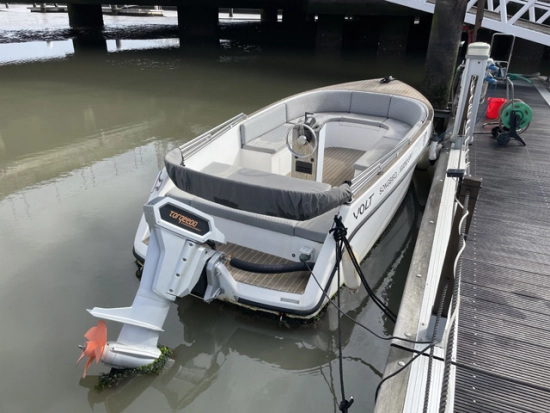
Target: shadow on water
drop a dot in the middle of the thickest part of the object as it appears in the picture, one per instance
(214, 333)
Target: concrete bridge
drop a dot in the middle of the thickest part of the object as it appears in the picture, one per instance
(527, 19)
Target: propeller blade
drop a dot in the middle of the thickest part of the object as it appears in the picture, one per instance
(97, 339)
(86, 367)
(98, 333)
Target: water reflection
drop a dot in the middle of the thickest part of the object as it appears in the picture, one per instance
(216, 333)
(121, 45)
(34, 51)
(82, 136)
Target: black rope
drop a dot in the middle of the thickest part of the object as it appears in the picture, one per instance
(339, 232)
(406, 340)
(395, 373)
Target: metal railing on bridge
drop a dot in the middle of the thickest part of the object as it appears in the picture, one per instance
(528, 19)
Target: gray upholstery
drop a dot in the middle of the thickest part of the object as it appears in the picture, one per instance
(370, 104)
(263, 122)
(270, 142)
(316, 229)
(406, 110)
(365, 119)
(261, 178)
(396, 129)
(382, 147)
(256, 191)
(180, 195)
(321, 101)
(282, 225)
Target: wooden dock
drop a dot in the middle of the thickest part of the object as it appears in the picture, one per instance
(501, 359)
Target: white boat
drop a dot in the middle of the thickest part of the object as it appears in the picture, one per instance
(244, 211)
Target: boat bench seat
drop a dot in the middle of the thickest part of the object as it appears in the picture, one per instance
(381, 148)
(314, 229)
(396, 132)
(262, 178)
(270, 142)
(266, 131)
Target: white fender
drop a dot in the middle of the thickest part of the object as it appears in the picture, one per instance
(351, 278)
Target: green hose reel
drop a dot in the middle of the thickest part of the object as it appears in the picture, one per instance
(523, 112)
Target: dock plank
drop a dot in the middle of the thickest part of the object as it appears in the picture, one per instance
(503, 346)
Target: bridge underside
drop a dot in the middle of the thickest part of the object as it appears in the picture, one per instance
(526, 19)
(382, 24)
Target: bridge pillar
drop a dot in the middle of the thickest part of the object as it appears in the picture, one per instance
(85, 16)
(330, 29)
(198, 22)
(89, 44)
(393, 35)
(269, 15)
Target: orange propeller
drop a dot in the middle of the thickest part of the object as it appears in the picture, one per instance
(97, 338)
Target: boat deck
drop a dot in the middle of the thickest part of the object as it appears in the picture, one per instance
(503, 344)
(338, 167)
(290, 282)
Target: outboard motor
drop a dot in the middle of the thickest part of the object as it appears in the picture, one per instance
(177, 258)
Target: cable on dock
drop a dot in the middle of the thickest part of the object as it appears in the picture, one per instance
(449, 330)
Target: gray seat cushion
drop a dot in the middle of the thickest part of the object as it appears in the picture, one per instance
(316, 229)
(263, 122)
(270, 142)
(284, 226)
(375, 104)
(319, 101)
(396, 129)
(256, 191)
(406, 110)
(264, 179)
(382, 147)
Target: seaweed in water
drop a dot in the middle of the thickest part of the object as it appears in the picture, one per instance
(116, 376)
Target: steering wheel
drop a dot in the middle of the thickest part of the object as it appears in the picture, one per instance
(301, 140)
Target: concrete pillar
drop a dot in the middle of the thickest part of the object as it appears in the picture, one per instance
(85, 16)
(393, 35)
(269, 15)
(198, 22)
(329, 31)
(87, 45)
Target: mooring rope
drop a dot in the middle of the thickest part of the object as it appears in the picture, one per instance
(339, 233)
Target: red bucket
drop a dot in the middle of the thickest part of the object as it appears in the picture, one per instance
(493, 107)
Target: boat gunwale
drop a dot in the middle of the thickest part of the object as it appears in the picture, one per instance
(359, 182)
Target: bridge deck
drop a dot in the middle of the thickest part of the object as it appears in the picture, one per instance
(503, 352)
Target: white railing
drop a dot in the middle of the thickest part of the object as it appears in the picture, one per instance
(528, 19)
